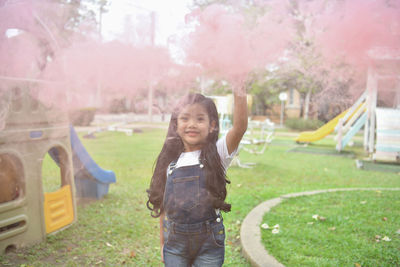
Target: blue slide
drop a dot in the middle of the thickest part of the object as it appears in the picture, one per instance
(91, 181)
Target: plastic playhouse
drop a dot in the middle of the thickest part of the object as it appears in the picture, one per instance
(30, 130)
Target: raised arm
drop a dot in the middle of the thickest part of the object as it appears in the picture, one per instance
(236, 133)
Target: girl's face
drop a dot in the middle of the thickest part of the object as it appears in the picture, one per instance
(194, 126)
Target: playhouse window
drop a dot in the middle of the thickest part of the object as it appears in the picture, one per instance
(55, 169)
(11, 178)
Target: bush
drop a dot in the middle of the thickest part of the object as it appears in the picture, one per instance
(303, 125)
(118, 106)
(82, 117)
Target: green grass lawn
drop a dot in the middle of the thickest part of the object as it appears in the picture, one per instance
(119, 230)
(336, 229)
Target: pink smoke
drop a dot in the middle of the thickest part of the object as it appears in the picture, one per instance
(17, 14)
(353, 27)
(73, 75)
(112, 68)
(227, 47)
(220, 43)
(225, 44)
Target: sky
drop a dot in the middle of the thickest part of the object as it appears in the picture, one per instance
(170, 18)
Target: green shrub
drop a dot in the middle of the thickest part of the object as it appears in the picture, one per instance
(303, 125)
(82, 117)
(118, 106)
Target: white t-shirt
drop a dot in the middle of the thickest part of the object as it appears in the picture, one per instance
(192, 158)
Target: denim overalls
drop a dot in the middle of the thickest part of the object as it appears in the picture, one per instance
(193, 233)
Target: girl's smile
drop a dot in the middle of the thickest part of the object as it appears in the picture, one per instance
(192, 133)
(194, 126)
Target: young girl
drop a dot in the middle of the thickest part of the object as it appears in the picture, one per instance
(188, 187)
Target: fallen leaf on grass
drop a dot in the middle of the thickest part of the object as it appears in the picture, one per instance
(275, 231)
(130, 253)
(275, 228)
(357, 265)
(265, 226)
(318, 218)
(378, 238)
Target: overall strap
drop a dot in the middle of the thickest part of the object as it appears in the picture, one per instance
(171, 167)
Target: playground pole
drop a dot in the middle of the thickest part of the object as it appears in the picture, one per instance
(369, 128)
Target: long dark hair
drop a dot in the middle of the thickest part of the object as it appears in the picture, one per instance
(209, 157)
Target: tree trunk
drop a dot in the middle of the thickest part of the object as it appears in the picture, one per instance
(307, 104)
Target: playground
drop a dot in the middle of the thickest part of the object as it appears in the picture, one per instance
(83, 119)
(117, 229)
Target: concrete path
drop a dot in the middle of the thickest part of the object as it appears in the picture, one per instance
(250, 232)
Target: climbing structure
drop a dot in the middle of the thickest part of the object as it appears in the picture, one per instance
(382, 128)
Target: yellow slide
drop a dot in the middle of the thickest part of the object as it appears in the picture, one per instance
(307, 137)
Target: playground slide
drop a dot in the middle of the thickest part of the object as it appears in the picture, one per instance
(91, 181)
(83, 162)
(329, 127)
